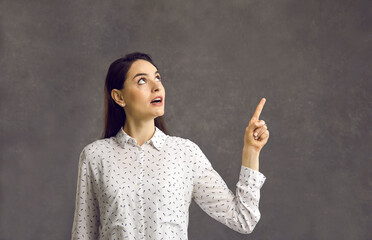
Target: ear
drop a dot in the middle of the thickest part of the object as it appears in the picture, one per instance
(118, 97)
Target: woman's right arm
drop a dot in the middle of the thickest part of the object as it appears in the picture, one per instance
(86, 215)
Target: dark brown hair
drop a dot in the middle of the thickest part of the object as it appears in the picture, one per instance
(116, 76)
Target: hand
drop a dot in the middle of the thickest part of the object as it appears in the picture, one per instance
(256, 126)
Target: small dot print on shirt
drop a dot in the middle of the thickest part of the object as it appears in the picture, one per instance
(126, 191)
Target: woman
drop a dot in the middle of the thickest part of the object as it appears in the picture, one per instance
(137, 182)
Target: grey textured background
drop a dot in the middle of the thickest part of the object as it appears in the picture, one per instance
(311, 60)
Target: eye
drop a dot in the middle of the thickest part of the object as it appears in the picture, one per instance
(140, 80)
(144, 78)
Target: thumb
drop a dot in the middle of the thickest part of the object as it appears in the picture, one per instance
(253, 125)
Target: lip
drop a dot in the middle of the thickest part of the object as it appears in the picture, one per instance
(161, 99)
(158, 103)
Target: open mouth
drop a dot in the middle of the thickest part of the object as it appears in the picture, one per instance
(157, 100)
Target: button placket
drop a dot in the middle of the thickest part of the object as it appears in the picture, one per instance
(140, 164)
(140, 190)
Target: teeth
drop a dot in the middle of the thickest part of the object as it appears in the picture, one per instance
(156, 99)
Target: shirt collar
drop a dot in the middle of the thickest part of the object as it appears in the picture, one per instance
(156, 141)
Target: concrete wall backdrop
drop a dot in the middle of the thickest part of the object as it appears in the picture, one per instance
(311, 60)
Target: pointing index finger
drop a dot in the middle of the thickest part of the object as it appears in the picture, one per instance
(258, 111)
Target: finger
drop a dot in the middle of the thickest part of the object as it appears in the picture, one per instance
(259, 131)
(258, 111)
(254, 125)
(265, 135)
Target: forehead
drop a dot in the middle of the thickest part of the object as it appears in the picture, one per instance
(141, 66)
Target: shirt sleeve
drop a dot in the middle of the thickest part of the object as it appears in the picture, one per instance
(86, 215)
(240, 211)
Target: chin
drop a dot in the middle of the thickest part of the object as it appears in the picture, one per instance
(160, 114)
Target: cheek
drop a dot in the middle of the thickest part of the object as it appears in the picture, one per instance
(137, 97)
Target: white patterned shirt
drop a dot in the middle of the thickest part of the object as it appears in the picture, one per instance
(127, 191)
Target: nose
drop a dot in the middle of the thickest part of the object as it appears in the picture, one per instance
(157, 86)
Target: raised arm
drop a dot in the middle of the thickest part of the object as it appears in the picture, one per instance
(240, 211)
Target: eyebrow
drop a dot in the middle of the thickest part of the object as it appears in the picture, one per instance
(143, 74)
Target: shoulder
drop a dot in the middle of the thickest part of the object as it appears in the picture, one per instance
(187, 145)
(177, 141)
(94, 149)
(193, 152)
(97, 145)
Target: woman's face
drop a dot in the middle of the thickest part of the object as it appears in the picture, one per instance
(142, 85)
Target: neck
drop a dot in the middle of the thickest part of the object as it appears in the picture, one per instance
(142, 131)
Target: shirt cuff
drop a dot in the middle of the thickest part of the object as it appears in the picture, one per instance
(251, 177)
